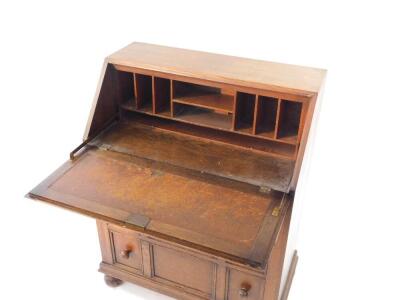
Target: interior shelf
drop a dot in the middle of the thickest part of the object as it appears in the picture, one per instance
(272, 121)
(202, 116)
(217, 102)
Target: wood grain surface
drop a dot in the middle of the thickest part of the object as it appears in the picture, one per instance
(221, 68)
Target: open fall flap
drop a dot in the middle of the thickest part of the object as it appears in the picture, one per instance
(214, 213)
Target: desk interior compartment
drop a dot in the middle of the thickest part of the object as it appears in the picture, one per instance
(162, 96)
(289, 120)
(266, 116)
(244, 112)
(144, 92)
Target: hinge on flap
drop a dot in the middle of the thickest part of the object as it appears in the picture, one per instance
(265, 189)
(276, 211)
(105, 147)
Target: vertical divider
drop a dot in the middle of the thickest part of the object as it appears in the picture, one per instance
(234, 111)
(144, 91)
(304, 109)
(278, 116)
(161, 88)
(135, 90)
(256, 115)
(153, 87)
(172, 97)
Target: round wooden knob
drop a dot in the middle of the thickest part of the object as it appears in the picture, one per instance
(126, 253)
(244, 290)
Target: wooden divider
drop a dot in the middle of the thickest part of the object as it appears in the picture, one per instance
(254, 115)
(161, 96)
(144, 92)
(265, 116)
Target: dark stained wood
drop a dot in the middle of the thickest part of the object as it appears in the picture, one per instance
(161, 96)
(222, 160)
(218, 102)
(289, 120)
(266, 116)
(250, 143)
(199, 116)
(244, 113)
(144, 92)
(209, 119)
(109, 97)
(193, 184)
(244, 110)
(114, 185)
(112, 281)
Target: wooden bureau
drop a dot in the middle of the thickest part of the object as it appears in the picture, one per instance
(190, 164)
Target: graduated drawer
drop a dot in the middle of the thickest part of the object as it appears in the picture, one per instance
(125, 248)
(242, 285)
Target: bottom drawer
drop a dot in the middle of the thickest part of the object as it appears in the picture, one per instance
(126, 249)
(244, 286)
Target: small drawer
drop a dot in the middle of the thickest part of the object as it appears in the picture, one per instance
(243, 286)
(126, 249)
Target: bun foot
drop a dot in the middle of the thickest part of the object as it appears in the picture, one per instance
(111, 281)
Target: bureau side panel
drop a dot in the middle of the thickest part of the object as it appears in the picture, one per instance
(112, 88)
(298, 202)
(104, 239)
(276, 259)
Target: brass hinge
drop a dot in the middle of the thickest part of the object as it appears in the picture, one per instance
(105, 147)
(265, 189)
(276, 211)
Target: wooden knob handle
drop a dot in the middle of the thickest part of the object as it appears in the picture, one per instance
(126, 253)
(244, 290)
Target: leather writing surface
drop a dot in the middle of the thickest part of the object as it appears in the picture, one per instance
(220, 217)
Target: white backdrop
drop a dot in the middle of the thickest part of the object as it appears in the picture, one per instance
(51, 55)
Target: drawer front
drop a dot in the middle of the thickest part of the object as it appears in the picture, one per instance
(184, 270)
(126, 249)
(243, 286)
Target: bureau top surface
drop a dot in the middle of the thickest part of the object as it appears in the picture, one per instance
(221, 68)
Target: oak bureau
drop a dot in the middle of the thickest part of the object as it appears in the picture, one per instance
(190, 165)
